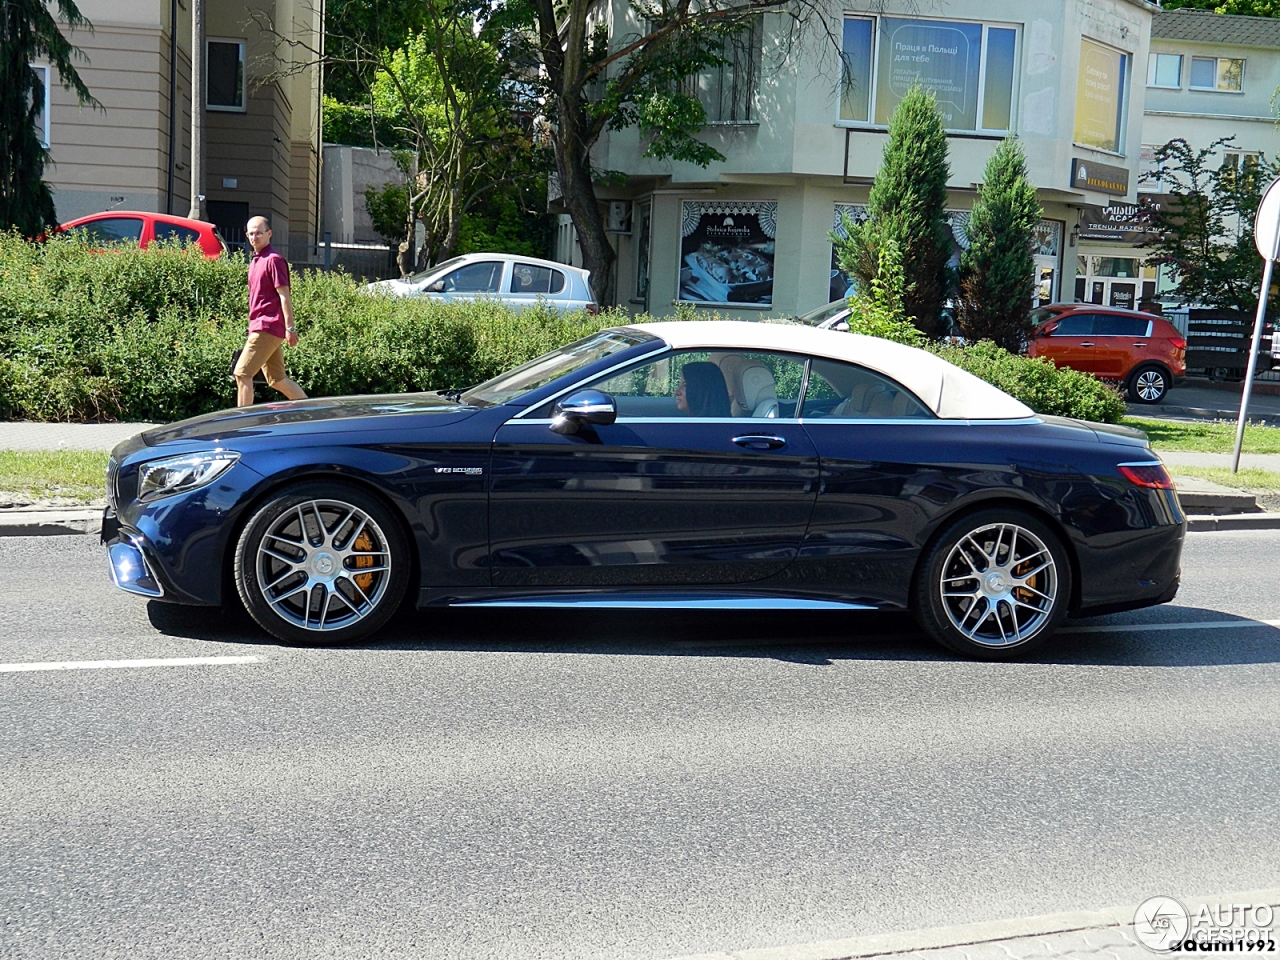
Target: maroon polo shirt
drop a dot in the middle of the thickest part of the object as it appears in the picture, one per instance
(267, 270)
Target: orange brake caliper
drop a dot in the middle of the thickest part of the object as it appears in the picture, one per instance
(364, 580)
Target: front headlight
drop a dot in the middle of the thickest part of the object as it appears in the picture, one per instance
(163, 478)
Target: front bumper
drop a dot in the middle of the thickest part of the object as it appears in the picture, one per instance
(130, 570)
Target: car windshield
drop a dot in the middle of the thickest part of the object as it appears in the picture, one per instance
(433, 271)
(1043, 315)
(536, 373)
(815, 317)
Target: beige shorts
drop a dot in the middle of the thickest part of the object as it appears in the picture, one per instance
(262, 352)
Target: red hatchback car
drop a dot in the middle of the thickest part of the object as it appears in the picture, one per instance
(123, 226)
(1141, 350)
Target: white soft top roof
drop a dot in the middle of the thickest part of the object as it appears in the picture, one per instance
(948, 391)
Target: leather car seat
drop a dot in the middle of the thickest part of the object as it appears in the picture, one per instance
(752, 390)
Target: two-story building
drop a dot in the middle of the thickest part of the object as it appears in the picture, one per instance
(803, 128)
(262, 139)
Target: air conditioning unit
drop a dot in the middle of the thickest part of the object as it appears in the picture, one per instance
(619, 216)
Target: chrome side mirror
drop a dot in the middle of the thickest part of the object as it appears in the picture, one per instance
(583, 407)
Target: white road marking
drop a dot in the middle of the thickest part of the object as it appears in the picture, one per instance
(1202, 625)
(124, 664)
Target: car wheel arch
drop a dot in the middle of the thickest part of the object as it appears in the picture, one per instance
(314, 475)
(939, 524)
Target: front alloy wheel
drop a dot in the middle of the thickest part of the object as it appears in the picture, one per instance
(994, 586)
(321, 564)
(1148, 385)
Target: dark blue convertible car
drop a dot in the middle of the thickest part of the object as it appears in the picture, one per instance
(697, 465)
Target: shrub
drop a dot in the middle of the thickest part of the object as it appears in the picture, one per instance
(1038, 383)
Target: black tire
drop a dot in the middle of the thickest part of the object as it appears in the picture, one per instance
(1148, 384)
(972, 537)
(325, 589)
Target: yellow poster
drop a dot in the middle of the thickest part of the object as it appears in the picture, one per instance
(1099, 95)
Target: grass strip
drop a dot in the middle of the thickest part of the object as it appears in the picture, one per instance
(1205, 436)
(1247, 479)
(41, 474)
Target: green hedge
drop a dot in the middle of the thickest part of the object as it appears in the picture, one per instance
(131, 335)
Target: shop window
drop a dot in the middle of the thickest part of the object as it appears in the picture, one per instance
(727, 89)
(1217, 73)
(1164, 70)
(1101, 97)
(970, 68)
(225, 84)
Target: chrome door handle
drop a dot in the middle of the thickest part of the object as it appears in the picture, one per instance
(1086, 344)
(1139, 344)
(760, 441)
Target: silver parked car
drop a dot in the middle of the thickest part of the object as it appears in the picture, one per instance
(519, 282)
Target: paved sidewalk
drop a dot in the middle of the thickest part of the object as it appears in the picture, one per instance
(1089, 935)
(24, 435)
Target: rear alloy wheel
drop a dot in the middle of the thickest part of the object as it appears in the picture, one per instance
(322, 564)
(994, 586)
(1148, 385)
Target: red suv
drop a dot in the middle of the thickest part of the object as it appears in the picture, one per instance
(122, 226)
(1141, 350)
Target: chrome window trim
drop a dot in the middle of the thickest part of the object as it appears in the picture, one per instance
(915, 421)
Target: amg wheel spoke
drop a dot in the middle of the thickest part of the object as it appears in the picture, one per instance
(283, 558)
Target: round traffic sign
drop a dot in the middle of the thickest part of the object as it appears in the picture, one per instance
(1266, 225)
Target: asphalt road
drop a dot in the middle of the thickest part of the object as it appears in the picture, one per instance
(614, 785)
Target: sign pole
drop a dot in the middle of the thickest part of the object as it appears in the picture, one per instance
(1258, 322)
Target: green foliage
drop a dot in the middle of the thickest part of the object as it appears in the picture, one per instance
(1046, 389)
(389, 210)
(28, 32)
(998, 270)
(1205, 228)
(1244, 8)
(907, 207)
(878, 310)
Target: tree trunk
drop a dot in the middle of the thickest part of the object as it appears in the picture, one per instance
(573, 165)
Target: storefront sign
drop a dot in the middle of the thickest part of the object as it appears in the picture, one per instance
(1103, 177)
(1121, 222)
(1100, 96)
(726, 251)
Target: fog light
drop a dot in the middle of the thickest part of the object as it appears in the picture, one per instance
(129, 570)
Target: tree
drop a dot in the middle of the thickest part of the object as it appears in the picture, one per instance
(1204, 228)
(28, 31)
(1245, 8)
(877, 310)
(908, 208)
(998, 270)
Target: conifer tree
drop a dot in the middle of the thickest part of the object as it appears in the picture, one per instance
(997, 271)
(28, 32)
(908, 207)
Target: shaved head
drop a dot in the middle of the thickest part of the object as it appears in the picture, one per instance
(258, 232)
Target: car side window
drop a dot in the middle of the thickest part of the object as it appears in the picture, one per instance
(845, 391)
(1114, 325)
(175, 233)
(482, 277)
(1075, 325)
(706, 384)
(113, 230)
(528, 278)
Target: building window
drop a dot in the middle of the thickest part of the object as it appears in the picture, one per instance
(225, 87)
(1217, 73)
(727, 90)
(1101, 96)
(42, 118)
(1149, 179)
(970, 68)
(1164, 70)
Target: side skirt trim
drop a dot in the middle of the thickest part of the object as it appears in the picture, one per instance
(665, 602)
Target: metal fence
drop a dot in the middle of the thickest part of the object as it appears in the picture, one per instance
(364, 261)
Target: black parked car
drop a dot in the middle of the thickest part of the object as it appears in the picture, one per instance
(714, 464)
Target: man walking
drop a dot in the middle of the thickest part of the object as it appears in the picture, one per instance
(270, 319)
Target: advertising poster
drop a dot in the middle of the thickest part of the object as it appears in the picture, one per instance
(726, 251)
(842, 285)
(941, 56)
(1099, 94)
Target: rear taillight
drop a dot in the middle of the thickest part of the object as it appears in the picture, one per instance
(1178, 343)
(1151, 475)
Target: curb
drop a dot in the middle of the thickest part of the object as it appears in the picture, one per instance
(1237, 521)
(1154, 411)
(44, 523)
(973, 934)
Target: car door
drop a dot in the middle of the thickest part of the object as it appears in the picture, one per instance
(1071, 343)
(531, 282)
(1120, 342)
(679, 490)
(480, 278)
(113, 230)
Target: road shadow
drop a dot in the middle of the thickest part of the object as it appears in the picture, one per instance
(818, 638)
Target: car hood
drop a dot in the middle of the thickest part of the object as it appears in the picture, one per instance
(328, 415)
(398, 286)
